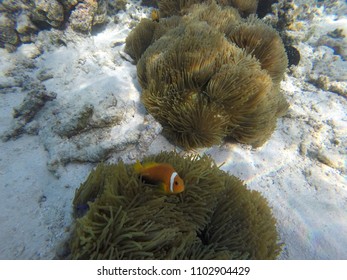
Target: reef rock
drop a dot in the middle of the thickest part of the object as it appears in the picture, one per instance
(81, 18)
(20, 20)
(48, 11)
(26, 111)
(9, 38)
(25, 27)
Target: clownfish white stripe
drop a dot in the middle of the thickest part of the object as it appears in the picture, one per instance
(172, 179)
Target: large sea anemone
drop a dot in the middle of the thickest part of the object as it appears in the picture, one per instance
(216, 217)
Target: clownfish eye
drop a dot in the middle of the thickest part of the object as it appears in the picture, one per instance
(176, 183)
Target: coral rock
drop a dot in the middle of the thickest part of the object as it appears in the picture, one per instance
(25, 27)
(9, 38)
(81, 18)
(49, 11)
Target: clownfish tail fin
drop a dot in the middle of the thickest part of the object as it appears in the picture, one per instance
(138, 166)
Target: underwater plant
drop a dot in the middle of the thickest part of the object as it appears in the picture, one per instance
(215, 217)
(211, 75)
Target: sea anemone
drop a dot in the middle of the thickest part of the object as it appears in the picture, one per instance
(206, 79)
(216, 217)
(263, 42)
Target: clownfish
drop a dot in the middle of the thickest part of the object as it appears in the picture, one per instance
(161, 173)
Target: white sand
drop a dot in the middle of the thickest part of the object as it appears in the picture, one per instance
(301, 170)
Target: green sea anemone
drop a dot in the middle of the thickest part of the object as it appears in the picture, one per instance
(220, 18)
(245, 7)
(211, 75)
(263, 42)
(216, 217)
(137, 42)
(168, 8)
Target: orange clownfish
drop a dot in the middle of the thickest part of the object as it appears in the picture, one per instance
(162, 173)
